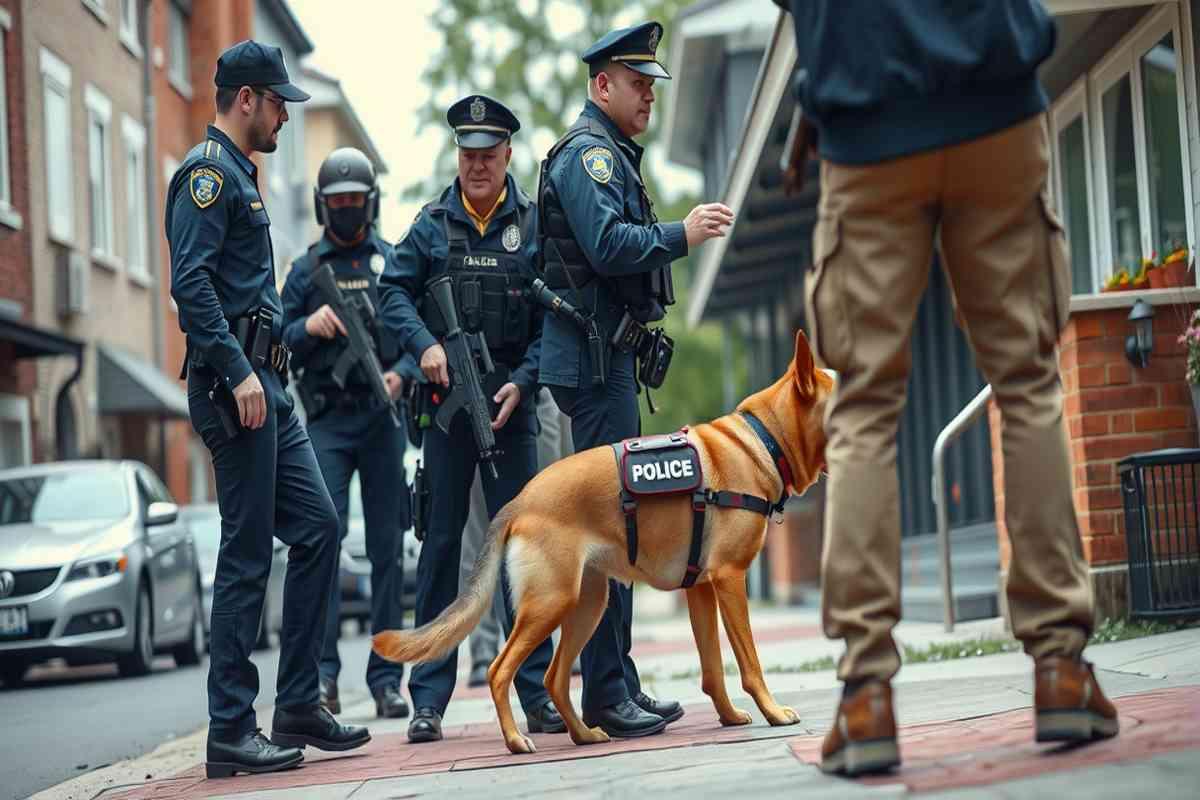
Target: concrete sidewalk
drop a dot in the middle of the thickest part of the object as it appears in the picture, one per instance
(966, 727)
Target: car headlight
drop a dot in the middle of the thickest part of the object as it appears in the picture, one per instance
(100, 567)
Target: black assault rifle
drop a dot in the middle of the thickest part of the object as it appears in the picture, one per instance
(466, 387)
(356, 312)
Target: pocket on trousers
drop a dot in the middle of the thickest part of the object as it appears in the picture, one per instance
(824, 299)
(1058, 262)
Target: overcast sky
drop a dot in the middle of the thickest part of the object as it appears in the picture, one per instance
(378, 49)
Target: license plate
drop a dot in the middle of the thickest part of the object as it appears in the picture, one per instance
(14, 621)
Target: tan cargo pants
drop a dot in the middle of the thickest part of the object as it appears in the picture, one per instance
(984, 202)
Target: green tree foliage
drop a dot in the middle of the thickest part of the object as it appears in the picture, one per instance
(506, 49)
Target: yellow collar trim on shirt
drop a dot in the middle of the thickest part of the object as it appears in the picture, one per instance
(481, 221)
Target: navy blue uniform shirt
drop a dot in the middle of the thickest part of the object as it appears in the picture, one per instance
(421, 256)
(221, 257)
(604, 209)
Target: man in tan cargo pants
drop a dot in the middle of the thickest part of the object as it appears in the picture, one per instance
(952, 159)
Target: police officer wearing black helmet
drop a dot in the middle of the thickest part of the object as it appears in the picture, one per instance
(481, 232)
(351, 428)
(267, 479)
(606, 252)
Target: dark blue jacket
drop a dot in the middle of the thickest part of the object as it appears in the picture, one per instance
(883, 79)
(222, 264)
(300, 299)
(421, 256)
(606, 218)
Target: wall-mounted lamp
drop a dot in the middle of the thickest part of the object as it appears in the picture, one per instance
(1140, 343)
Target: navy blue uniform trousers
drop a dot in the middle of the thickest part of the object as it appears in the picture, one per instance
(366, 441)
(602, 415)
(450, 461)
(268, 485)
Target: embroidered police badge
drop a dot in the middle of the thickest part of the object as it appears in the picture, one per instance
(478, 110)
(377, 262)
(598, 161)
(654, 32)
(205, 184)
(511, 238)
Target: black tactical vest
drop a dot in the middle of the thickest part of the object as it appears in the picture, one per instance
(350, 279)
(489, 288)
(562, 262)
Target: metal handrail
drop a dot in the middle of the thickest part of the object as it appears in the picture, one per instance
(956, 427)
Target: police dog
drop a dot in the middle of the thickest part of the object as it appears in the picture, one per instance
(563, 537)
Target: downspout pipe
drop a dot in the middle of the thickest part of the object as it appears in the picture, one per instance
(150, 116)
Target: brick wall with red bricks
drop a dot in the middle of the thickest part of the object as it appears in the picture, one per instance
(1112, 410)
(16, 271)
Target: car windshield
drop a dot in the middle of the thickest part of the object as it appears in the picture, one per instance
(79, 494)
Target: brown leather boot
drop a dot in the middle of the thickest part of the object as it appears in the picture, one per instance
(1070, 707)
(863, 737)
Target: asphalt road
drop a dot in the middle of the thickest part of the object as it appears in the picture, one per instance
(69, 720)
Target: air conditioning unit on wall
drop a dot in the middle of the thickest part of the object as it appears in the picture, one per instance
(73, 272)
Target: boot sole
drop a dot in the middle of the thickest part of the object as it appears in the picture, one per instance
(1073, 726)
(227, 769)
(630, 734)
(541, 727)
(863, 758)
(421, 738)
(302, 740)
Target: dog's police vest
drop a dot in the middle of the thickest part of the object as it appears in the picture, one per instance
(670, 464)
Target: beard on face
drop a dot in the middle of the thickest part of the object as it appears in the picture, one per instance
(264, 131)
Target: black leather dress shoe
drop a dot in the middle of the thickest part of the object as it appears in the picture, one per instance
(545, 719)
(669, 710)
(478, 676)
(249, 753)
(426, 726)
(625, 720)
(329, 695)
(389, 703)
(314, 725)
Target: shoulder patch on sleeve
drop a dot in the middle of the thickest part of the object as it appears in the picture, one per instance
(204, 183)
(598, 161)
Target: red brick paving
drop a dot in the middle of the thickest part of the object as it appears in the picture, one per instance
(1000, 747)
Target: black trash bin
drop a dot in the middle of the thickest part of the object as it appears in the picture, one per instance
(1161, 490)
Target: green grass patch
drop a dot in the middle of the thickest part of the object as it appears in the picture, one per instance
(1118, 630)
(968, 648)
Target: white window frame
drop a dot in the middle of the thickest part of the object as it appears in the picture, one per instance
(181, 81)
(99, 109)
(128, 26)
(1125, 59)
(1072, 105)
(15, 408)
(98, 8)
(137, 247)
(56, 78)
(8, 215)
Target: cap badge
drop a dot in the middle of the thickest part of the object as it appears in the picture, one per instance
(654, 34)
(511, 238)
(478, 110)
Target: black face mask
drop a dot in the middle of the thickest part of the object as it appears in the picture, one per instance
(347, 223)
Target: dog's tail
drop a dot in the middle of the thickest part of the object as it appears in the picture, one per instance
(433, 640)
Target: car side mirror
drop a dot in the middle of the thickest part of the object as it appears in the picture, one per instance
(161, 514)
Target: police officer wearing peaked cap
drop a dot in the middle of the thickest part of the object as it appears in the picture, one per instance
(351, 428)
(267, 480)
(481, 232)
(604, 248)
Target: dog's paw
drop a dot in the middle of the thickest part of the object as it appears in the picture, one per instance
(738, 717)
(520, 744)
(783, 716)
(591, 736)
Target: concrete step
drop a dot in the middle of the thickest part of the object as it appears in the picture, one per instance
(975, 567)
(971, 601)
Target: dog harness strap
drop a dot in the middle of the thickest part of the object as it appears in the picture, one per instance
(776, 452)
(629, 510)
(699, 504)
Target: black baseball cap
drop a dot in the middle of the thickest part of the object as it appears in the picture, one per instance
(252, 63)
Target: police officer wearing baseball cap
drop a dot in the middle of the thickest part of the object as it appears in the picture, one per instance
(604, 248)
(481, 232)
(267, 480)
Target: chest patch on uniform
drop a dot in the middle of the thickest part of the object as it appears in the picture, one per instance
(377, 262)
(511, 238)
(598, 161)
(205, 185)
(660, 465)
(480, 261)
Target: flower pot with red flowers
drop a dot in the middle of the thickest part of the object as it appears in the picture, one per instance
(1175, 266)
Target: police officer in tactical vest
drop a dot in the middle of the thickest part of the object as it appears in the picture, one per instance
(480, 234)
(604, 249)
(351, 427)
(267, 480)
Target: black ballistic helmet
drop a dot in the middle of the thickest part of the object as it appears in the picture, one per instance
(345, 170)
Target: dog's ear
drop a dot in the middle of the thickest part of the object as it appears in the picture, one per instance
(802, 364)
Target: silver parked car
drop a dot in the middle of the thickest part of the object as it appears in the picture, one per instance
(204, 521)
(94, 566)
